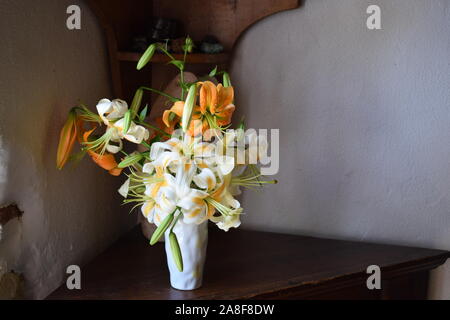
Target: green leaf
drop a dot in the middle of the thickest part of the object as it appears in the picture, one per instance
(130, 160)
(143, 113)
(127, 121)
(213, 72)
(176, 252)
(146, 57)
(159, 232)
(177, 63)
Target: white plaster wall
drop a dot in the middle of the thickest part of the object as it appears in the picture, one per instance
(364, 118)
(70, 215)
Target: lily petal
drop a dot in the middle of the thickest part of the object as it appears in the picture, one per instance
(206, 179)
(123, 190)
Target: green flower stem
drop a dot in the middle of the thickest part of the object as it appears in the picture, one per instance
(176, 220)
(154, 128)
(182, 75)
(166, 52)
(171, 98)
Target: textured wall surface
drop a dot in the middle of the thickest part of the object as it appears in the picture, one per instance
(71, 215)
(364, 118)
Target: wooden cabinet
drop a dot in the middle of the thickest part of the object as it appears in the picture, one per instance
(256, 265)
(225, 19)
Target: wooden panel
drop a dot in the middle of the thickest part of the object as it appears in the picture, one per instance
(412, 286)
(126, 17)
(196, 58)
(245, 265)
(226, 19)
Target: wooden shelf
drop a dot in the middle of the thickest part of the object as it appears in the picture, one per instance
(122, 20)
(195, 58)
(244, 264)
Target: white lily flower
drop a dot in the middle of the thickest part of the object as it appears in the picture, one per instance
(153, 212)
(173, 145)
(225, 197)
(227, 222)
(114, 144)
(135, 133)
(229, 214)
(188, 149)
(206, 179)
(157, 169)
(203, 150)
(111, 110)
(123, 190)
(112, 113)
(225, 164)
(148, 210)
(178, 193)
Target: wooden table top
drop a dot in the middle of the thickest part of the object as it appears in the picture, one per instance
(242, 265)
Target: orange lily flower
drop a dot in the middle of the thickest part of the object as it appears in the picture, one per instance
(218, 100)
(67, 138)
(173, 116)
(106, 160)
(215, 110)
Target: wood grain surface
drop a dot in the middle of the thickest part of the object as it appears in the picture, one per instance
(255, 265)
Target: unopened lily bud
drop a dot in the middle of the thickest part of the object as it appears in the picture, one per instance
(136, 103)
(126, 121)
(188, 45)
(67, 139)
(188, 107)
(161, 229)
(130, 160)
(146, 57)
(176, 252)
(226, 80)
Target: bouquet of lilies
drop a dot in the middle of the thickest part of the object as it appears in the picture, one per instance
(191, 164)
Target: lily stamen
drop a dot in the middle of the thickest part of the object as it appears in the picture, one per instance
(222, 209)
(102, 142)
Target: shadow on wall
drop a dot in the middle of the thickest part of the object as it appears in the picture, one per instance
(11, 283)
(70, 215)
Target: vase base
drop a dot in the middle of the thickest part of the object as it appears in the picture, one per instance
(192, 240)
(184, 283)
(186, 288)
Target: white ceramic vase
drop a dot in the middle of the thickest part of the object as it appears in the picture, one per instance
(193, 240)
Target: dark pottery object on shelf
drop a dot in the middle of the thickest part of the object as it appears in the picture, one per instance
(139, 44)
(210, 44)
(163, 29)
